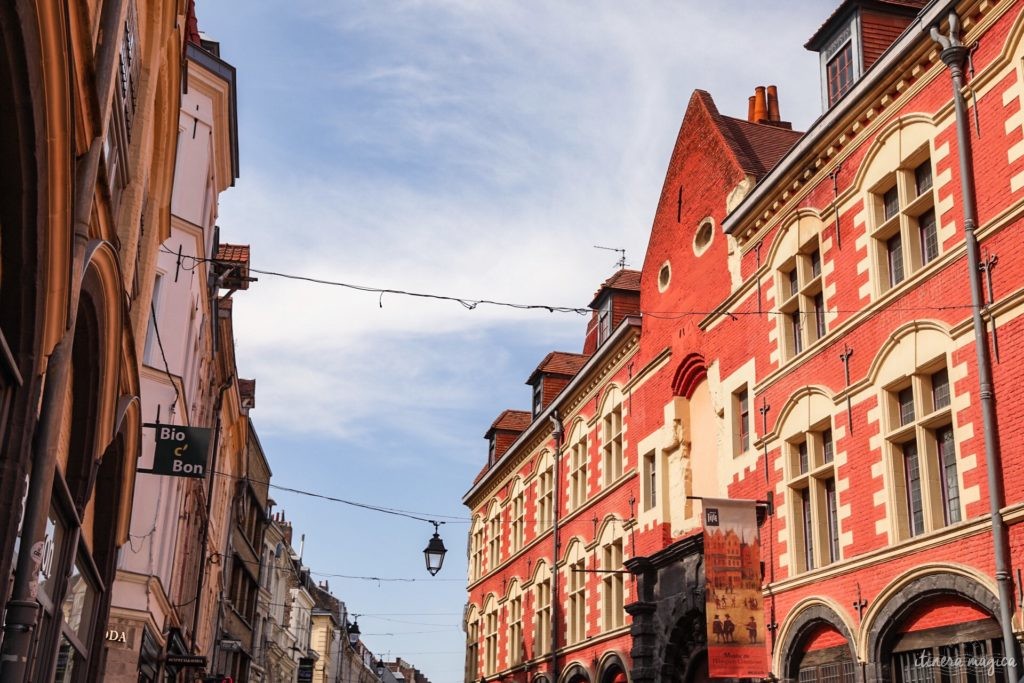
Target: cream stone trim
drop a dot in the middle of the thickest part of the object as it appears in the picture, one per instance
(794, 612)
(882, 599)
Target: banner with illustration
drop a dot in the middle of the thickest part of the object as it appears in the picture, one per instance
(732, 571)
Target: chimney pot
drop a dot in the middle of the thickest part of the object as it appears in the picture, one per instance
(750, 108)
(773, 104)
(760, 105)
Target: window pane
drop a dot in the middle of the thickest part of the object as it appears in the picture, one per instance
(915, 505)
(827, 448)
(794, 282)
(744, 419)
(819, 315)
(940, 389)
(906, 401)
(840, 73)
(802, 457)
(805, 506)
(890, 203)
(794, 326)
(833, 520)
(815, 263)
(923, 178)
(950, 485)
(894, 255)
(929, 236)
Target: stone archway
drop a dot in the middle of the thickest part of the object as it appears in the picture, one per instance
(802, 628)
(887, 621)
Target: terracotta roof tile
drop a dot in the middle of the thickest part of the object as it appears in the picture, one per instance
(815, 41)
(757, 146)
(512, 420)
(562, 363)
(623, 280)
(238, 253)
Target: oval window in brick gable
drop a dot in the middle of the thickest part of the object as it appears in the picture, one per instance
(703, 237)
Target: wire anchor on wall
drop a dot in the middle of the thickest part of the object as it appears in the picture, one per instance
(834, 175)
(986, 267)
(845, 357)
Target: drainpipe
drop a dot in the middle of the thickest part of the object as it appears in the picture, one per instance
(953, 54)
(557, 426)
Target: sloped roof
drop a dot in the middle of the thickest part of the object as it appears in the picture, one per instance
(757, 146)
(624, 280)
(512, 420)
(560, 363)
(238, 253)
(815, 41)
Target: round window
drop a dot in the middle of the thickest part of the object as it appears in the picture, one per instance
(664, 276)
(702, 239)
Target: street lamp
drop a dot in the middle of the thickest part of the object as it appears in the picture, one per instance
(380, 668)
(353, 633)
(435, 551)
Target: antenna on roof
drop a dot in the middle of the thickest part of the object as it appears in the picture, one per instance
(621, 263)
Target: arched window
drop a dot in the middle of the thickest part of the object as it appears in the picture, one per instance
(494, 537)
(490, 635)
(545, 492)
(576, 584)
(515, 624)
(542, 609)
(578, 466)
(476, 563)
(613, 614)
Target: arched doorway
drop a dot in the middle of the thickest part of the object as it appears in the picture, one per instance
(939, 627)
(686, 659)
(612, 670)
(576, 673)
(816, 645)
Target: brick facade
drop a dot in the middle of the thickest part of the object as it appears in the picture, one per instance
(815, 348)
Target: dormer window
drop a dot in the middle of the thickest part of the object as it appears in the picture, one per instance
(841, 63)
(492, 448)
(538, 396)
(604, 321)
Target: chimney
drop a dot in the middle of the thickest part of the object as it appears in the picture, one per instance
(760, 105)
(750, 108)
(773, 104)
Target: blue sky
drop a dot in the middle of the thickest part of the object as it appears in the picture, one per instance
(476, 148)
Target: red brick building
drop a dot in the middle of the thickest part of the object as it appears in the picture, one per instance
(803, 334)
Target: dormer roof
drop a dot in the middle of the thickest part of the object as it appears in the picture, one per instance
(824, 31)
(510, 420)
(624, 280)
(559, 363)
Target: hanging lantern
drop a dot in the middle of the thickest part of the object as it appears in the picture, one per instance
(353, 633)
(434, 552)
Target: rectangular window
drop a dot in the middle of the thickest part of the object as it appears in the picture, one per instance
(890, 203)
(515, 630)
(545, 509)
(827, 447)
(613, 445)
(808, 528)
(794, 282)
(802, 461)
(578, 477)
(577, 601)
(894, 257)
(741, 403)
(923, 177)
(906, 402)
(839, 73)
(940, 389)
(612, 593)
(819, 315)
(794, 330)
(538, 396)
(650, 475)
(950, 486)
(833, 520)
(815, 263)
(604, 320)
(915, 502)
(929, 236)
(542, 637)
(151, 351)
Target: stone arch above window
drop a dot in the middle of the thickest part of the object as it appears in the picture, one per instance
(800, 627)
(691, 372)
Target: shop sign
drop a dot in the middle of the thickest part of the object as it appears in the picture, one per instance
(732, 593)
(115, 636)
(197, 661)
(231, 645)
(180, 451)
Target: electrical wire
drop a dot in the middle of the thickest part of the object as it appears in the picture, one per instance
(470, 303)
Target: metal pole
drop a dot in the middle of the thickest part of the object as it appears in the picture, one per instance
(953, 54)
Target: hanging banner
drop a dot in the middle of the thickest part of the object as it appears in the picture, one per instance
(733, 609)
(181, 451)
